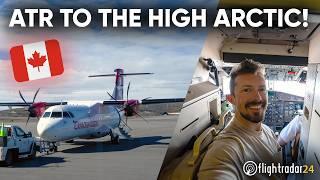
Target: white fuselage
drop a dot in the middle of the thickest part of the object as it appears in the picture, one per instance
(66, 122)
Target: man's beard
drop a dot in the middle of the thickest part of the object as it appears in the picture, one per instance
(256, 117)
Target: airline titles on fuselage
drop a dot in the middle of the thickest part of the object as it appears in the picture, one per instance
(82, 125)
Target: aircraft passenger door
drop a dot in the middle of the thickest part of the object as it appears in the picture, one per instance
(313, 154)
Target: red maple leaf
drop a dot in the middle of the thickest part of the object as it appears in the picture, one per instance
(37, 61)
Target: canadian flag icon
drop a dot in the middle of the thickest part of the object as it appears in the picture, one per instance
(36, 60)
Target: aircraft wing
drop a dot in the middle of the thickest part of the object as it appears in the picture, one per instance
(15, 104)
(113, 102)
(56, 103)
(145, 101)
(107, 102)
(158, 101)
(22, 104)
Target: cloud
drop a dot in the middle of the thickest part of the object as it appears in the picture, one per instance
(7, 6)
(170, 53)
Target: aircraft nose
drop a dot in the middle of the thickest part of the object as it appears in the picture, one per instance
(47, 131)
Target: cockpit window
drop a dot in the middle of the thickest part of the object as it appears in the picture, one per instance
(46, 114)
(71, 114)
(56, 115)
(66, 115)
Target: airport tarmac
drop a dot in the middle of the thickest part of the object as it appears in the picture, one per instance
(136, 159)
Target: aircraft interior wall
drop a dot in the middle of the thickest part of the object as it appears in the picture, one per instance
(310, 151)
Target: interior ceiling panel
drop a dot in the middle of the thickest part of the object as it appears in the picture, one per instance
(266, 59)
(265, 33)
(285, 34)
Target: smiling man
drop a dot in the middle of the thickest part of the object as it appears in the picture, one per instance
(245, 138)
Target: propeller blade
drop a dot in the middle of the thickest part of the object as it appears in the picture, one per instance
(122, 109)
(128, 91)
(111, 96)
(22, 97)
(28, 120)
(35, 95)
(140, 116)
(128, 127)
(126, 124)
(29, 109)
(126, 119)
(122, 120)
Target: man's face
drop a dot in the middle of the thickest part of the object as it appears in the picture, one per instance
(250, 96)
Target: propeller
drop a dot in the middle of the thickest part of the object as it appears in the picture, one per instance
(35, 95)
(111, 96)
(128, 88)
(32, 108)
(118, 112)
(129, 107)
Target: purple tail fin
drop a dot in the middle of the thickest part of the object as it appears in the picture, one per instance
(118, 89)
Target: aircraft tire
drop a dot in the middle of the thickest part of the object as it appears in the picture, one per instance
(115, 139)
(55, 149)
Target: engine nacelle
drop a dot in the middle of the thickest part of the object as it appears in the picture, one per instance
(37, 109)
(131, 107)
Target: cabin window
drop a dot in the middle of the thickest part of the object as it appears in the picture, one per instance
(56, 115)
(46, 115)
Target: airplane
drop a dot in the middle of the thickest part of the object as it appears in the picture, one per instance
(69, 120)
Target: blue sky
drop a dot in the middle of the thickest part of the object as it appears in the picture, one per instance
(171, 54)
(4, 54)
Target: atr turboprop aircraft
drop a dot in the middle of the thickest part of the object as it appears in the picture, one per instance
(65, 121)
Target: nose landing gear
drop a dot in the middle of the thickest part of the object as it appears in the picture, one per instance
(114, 138)
(46, 146)
(52, 148)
